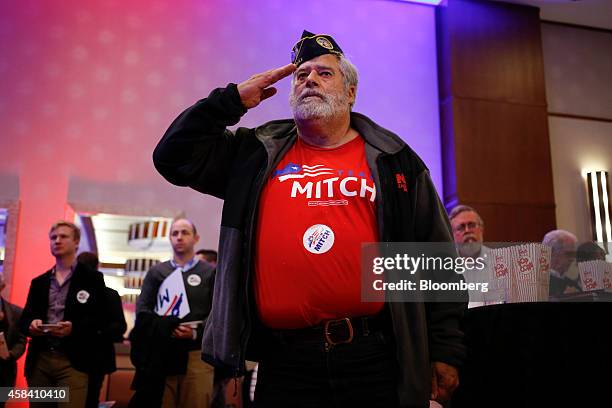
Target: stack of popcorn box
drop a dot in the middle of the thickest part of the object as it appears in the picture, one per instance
(519, 273)
(544, 271)
(595, 275)
(499, 274)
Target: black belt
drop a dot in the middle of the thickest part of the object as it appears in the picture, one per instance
(337, 331)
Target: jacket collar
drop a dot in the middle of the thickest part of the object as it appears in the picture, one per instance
(275, 134)
(379, 137)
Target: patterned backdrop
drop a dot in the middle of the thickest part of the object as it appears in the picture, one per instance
(89, 87)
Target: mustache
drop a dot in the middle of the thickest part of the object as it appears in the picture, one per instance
(310, 92)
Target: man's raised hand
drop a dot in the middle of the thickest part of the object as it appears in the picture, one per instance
(258, 87)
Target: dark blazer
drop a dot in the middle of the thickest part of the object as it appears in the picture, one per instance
(16, 342)
(155, 354)
(87, 317)
(114, 325)
(558, 285)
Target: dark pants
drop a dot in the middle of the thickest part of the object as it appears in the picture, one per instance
(93, 389)
(362, 373)
(8, 373)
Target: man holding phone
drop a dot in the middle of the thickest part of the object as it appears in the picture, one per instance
(63, 315)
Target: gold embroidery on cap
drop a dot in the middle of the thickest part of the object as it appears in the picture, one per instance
(325, 43)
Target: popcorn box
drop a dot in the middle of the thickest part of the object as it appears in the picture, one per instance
(520, 273)
(595, 275)
(528, 283)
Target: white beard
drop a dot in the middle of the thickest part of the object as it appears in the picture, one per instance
(327, 106)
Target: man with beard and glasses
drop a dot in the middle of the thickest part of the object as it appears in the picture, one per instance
(468, 232)
(300, 197)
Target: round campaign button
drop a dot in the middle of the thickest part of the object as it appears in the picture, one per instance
(194, 280)
(82, 296)
(318, 239)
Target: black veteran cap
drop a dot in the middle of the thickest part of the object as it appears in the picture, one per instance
(312, 45)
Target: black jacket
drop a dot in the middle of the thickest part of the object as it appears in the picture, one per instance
(198, 151)
(558, 286)
(87, 318)
(111, 332)
(15, 341)
(155, 354)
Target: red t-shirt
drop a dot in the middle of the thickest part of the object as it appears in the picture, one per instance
(315, 211)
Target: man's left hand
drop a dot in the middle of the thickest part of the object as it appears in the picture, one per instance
(64, 330)
(444, 380)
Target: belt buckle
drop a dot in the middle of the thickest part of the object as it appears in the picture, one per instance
(334, 323)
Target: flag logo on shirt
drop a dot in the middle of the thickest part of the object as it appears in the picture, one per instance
(290, 168)
(297, 171)
(318, 239)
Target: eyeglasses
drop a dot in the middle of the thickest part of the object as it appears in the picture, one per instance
(466, 225)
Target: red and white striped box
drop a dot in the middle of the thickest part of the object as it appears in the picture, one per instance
(595, 275)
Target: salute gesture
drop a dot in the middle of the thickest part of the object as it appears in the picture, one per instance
(257, 88)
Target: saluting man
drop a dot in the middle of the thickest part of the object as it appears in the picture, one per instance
(300, 197)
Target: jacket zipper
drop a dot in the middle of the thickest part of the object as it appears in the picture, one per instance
(244, 336)
(261, 178)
